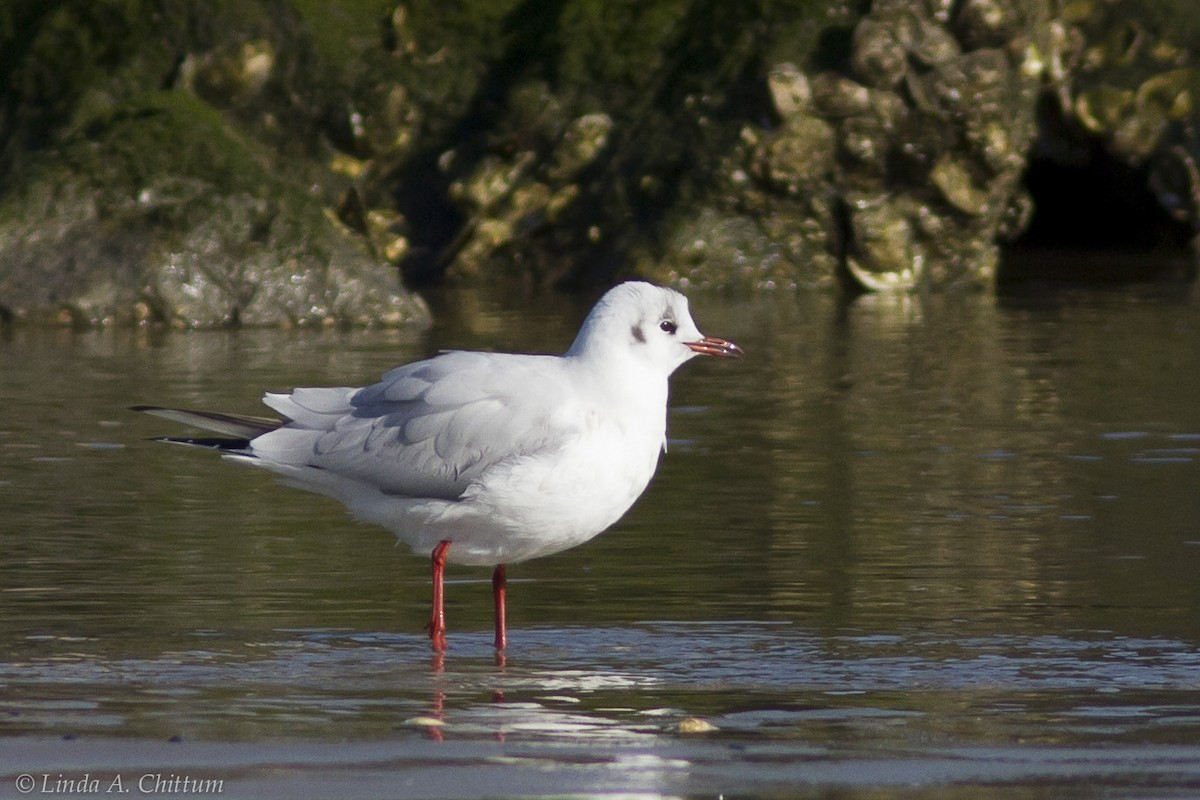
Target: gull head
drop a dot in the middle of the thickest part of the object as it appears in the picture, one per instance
(650, 324)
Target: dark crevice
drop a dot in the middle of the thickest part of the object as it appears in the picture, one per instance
(1096, 217)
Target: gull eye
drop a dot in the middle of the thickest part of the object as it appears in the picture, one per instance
(668, 327)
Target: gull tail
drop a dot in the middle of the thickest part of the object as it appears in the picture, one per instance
(236, 430)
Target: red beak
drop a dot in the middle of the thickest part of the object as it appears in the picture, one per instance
(712, 346)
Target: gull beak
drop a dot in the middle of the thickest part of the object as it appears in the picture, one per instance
(712, 346)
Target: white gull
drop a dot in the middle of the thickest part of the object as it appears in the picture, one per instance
(486, 459)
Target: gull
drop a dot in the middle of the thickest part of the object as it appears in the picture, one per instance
(481, 458)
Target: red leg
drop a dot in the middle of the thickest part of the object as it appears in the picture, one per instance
(499, 585)
(437, 620)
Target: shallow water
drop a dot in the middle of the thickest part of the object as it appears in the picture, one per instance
(943, 546)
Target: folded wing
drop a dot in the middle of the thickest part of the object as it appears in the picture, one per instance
(430, 428)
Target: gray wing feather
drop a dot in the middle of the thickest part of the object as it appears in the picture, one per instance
(426, 429)
(313, 409)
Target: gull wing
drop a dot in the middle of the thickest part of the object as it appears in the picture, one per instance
(430, 428)
(236, 426)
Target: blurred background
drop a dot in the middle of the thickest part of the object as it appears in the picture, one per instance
(209, 163)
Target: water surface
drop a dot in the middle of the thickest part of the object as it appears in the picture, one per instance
(945, 546)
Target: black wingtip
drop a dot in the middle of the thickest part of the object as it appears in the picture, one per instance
(209, 442)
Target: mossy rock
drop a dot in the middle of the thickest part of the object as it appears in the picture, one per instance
(165, 212)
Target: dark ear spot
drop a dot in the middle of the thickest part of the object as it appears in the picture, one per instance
(638, 334)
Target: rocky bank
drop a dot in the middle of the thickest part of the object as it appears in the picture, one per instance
(207, 164)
